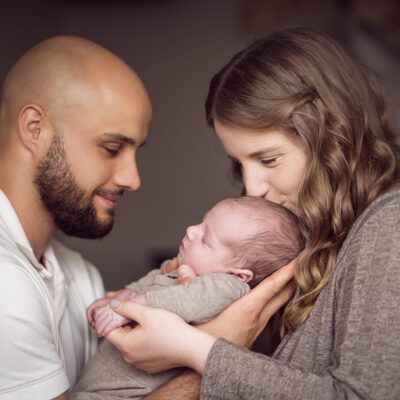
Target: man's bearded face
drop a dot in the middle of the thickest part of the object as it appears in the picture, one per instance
(70, 205)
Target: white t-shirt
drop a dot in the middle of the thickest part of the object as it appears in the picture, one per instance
(45, 339)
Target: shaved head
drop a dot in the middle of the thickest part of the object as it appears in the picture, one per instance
(65, 71)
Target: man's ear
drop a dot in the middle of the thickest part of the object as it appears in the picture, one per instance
(31, 123)
(242, 274)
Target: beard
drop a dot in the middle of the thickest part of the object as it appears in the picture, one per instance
(69, 204)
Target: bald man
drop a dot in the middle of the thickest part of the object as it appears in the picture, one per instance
(72, 116)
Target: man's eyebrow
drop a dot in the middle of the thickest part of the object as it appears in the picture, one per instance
(120, 137)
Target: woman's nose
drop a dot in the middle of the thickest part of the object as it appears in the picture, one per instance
(255, 183)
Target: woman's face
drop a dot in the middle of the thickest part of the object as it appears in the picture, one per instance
(272, 163)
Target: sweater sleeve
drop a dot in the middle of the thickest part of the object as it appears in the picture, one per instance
(202, 299)
(360, 357)
(144, 282)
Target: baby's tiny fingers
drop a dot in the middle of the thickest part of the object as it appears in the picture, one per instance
(102, 324)
(185, 274)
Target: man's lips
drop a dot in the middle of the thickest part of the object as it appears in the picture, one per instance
(109, 199)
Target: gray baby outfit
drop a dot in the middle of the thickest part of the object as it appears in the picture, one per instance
(349, 347)
(108, 376)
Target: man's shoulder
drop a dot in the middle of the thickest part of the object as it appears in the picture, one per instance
(14, 263)
(8, 248)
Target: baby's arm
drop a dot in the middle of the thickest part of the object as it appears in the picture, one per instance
(206, 296)
(102, 317)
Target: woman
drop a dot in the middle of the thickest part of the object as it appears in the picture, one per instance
(306, 127)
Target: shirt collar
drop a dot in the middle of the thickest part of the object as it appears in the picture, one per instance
(17, 233)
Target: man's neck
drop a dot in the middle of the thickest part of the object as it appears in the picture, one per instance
(35, 220)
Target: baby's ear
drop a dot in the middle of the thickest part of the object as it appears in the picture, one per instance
(242, 274)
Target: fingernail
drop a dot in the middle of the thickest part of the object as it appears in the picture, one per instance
(115, 303)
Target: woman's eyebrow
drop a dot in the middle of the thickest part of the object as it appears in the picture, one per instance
(259, 153)
(264, 151)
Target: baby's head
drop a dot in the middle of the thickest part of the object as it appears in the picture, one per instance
(249, 237)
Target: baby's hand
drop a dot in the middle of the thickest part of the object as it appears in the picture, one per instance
(101, 316)
(93, 308)
(107, 320)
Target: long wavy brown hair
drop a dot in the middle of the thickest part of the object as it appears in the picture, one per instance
(302, 82)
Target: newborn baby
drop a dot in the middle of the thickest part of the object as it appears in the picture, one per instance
(239, 242)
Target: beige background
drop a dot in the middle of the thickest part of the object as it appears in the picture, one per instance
(176, 46)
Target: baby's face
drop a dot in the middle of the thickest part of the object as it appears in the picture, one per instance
(204, 248)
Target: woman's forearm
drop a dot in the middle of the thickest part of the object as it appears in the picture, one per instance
(185, 386)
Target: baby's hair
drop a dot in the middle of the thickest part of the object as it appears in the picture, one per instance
(276, 240)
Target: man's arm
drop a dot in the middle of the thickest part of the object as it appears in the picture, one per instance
(186, 386)
(63, 396)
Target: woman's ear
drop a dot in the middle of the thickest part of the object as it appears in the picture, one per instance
(242, 274)
(31, 122)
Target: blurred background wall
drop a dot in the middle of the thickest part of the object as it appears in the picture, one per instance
(176, 46)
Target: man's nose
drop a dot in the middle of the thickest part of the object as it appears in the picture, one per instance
(127, 176)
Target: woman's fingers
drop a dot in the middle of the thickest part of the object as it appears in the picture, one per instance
(275, 304)
(273, 284)
(243, 320)
(161, 340)
(129, 309)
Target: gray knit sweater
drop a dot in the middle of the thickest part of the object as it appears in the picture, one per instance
(349, 347)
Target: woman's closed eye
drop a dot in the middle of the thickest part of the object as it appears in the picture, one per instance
(268, 161)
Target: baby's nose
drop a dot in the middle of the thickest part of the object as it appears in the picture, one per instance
(191, 232)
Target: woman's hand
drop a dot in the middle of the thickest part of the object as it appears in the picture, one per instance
(161, 340)
(243, 320)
